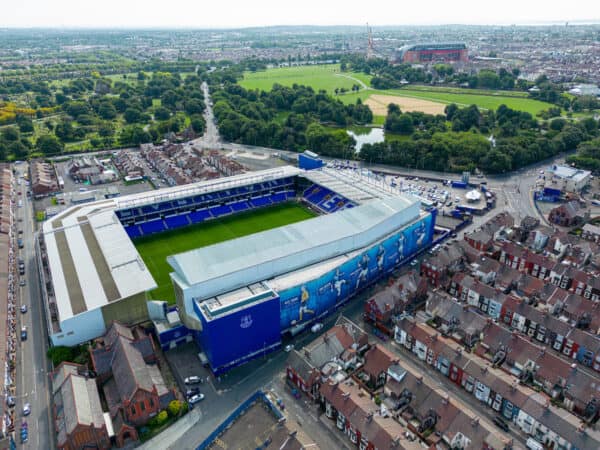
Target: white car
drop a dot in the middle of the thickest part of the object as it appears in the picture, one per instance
(193, 380)
(195, 398)
(288, 348)
(26, 409)
(316, 327)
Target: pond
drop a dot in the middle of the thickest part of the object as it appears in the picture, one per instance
(366, 135)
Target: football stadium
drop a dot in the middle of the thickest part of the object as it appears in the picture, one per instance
(433, 52)
(243, 259)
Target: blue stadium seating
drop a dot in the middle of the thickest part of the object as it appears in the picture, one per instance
(199, 216)
(153, 226)
(183, 202)
(332, 203)
(325, 199)
(217, 211)
(260, 201)
(133, 231)
(177, 221)
(150, 215)
(279, 197)
(239, 206)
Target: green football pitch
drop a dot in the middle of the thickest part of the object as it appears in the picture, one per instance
(155, 249)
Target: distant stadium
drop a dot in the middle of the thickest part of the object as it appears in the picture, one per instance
(433, 53)
(236, 290)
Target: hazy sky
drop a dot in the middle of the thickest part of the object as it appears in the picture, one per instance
(242, 13)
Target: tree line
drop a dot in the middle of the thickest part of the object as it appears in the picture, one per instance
(492, 141)
(291, 118)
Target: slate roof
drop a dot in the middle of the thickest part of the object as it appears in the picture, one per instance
(76, 401)
(123, 358)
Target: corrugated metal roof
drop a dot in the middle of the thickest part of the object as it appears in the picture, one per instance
(301, 241)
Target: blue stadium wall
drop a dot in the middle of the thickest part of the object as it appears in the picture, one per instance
(319, 297)
(236, 338)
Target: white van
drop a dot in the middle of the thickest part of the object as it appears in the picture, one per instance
(532, 444)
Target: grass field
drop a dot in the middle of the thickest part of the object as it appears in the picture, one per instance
(461, 98)
(327, 77)
(155, 249)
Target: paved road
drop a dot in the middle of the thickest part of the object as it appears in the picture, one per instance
(211, 137)
(32, 364)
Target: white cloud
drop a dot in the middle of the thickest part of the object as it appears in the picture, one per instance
(242, 13)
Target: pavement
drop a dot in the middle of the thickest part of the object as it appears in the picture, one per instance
(32, 364)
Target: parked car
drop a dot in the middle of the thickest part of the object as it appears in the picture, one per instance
(317, 327)
(24, 333)
(195, 399)
(500, 423)
(26, 409)
(194, 379)
(288, 348)
(10, 401)
(23, 309)
(191, 392)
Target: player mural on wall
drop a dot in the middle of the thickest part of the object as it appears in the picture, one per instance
(363, 267)
(338, 282)
(380, 257)
(304, 309)
(401, 243)
(421, 234)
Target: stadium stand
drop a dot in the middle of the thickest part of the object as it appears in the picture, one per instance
(177, 221)
(324, 199)
(153, 226)
(200, 216)
(150, 219)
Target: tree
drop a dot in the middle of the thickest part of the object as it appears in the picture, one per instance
(107, 111)
(197, 123)
(162, 113)
(18, 149)
(558, 124)
(49, 145)
(132, 115)
(25, 123)
(59, 354)
(174, 408)
(11, 134)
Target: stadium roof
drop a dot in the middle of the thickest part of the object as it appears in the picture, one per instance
(201, 187)
(92, 260)
(264, 255)
(351, 184)
(434, 46)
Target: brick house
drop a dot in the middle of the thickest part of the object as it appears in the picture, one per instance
(480, 240)
(437, 268)
(591, 232)
(343, 345)
(567, 215)
(405, 294)
(127, 372)
(377, 361)
(78, 417)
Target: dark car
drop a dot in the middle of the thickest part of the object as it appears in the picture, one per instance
(191, 392)
(500, 423)
(24, 333)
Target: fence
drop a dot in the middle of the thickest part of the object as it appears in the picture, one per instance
(257, 396)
